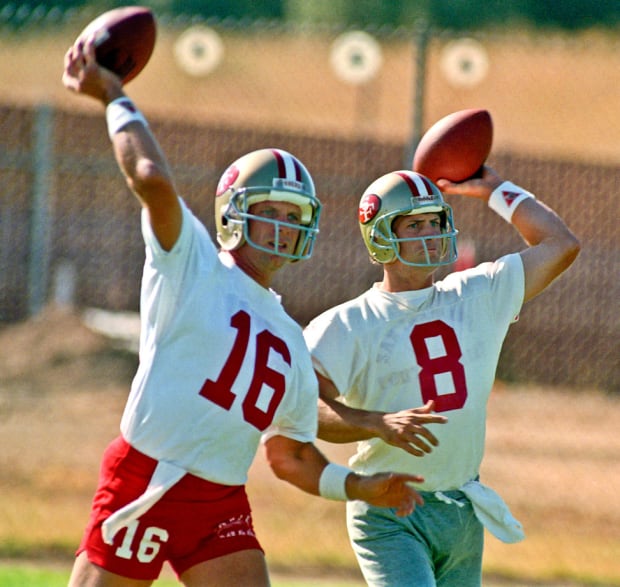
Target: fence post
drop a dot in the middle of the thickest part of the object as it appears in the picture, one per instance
(419, 81)
(41, 208)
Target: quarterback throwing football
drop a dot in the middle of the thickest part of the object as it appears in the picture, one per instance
(410, 341)
(222, 368)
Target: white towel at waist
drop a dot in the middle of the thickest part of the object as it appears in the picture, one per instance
(493, 512)
(490, 509)
(164, 477)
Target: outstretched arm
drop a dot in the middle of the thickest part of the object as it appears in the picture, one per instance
(406, 429)
(303, 465)
(552, 247)
(137, 152)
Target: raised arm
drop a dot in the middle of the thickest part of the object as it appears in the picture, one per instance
(552, 247)
(137, 152)
(405, 429)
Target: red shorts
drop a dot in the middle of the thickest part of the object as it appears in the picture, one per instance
(193, 522)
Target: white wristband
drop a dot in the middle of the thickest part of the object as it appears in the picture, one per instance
(120, 112)
(505, 199)
(332, 482)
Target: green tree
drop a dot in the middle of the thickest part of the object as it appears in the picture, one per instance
(364, 13)
(573, 14)
(238, 9)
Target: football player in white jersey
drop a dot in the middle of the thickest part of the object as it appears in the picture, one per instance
(222, 369)
(412, 340)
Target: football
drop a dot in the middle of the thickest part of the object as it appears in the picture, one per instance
(124, 39)
(456, 146)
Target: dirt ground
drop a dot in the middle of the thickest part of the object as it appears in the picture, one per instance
(552, 454)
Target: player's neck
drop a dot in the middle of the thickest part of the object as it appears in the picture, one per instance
(260, 267)
(398, 277)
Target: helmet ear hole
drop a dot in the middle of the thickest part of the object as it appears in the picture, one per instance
(443, 220)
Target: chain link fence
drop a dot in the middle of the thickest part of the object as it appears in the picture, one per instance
(69, 228)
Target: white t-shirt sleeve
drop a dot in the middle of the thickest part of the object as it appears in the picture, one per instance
(335, 342)
(165, 272)
(507, 283)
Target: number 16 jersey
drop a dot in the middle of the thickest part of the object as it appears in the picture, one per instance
(221, 363)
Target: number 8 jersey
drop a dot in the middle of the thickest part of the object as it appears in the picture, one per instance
(394, 351)
(221, 363)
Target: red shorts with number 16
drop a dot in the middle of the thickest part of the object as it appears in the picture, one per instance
(193, 522)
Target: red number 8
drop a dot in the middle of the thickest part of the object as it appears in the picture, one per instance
(430, 367)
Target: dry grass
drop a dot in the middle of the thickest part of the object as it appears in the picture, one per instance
(552, 454)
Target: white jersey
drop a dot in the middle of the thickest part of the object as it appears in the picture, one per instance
(394, 351)
(221, 363)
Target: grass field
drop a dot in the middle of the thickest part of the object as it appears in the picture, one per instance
(22, 576)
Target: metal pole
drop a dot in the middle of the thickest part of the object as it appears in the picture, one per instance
(40, 218)
(419, 80)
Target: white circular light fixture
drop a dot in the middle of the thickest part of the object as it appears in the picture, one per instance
(464, 62)
(199, 50)
(356, 57)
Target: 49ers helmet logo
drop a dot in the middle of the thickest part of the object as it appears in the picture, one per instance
(368, 208)
(228, 178)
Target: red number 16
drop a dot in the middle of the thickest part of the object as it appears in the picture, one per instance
(220, 391)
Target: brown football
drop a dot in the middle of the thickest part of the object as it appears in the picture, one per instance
(456, 146)
(124, 39)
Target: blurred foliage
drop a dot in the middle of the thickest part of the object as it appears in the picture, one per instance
(221, 9)
(569, 15)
